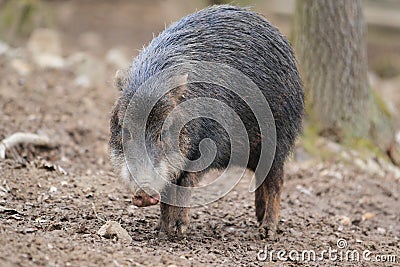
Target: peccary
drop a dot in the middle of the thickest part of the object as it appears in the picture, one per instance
(229, 35)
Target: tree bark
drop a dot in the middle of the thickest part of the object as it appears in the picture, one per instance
(217, 2)
(330, 45)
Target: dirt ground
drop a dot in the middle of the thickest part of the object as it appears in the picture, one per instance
(53, 201)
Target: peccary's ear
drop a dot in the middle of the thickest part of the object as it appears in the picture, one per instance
(121, 80)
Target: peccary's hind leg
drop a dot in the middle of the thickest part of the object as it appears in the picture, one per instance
(267, 200)
(261, 202)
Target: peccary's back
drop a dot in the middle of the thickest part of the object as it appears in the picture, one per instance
(243, 40)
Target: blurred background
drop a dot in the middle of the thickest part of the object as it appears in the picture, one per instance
(103, 27)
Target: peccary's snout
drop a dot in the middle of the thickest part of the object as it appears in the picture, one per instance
(143, 199)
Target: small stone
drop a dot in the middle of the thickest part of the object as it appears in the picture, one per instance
(83, 81)
(368, 216)
(53, 189)
(360, 164)
(304, 190)
(49, 61)
(381, 230)
(113, 229)
(231, 230)
(131, 209)
(344, 220)
(374, 168)
(332, 174)
(333, 147)
(21, 67)
(45, 48)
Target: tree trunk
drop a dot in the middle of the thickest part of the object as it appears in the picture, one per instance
(217, 2)
(331, 49)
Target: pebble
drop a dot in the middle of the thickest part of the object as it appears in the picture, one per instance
(344, 220)
(368, 216)
(381, 230)
(113, 229)
(304, 190)
(53, 189)
(21, 67)
(45, 48)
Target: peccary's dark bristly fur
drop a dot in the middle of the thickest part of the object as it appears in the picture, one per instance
(241, 39)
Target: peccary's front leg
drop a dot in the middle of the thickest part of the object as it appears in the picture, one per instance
(174, 221)
(175, 214)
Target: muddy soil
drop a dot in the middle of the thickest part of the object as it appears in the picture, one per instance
(53, 201)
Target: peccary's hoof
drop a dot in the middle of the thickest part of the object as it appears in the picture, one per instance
(175, 230)
(268, 231)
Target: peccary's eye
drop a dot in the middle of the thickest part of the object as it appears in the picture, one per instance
(163, 135)
(126, 134)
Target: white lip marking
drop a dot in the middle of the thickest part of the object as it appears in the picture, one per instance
(151, 179)
(127, 179)
(125, 174)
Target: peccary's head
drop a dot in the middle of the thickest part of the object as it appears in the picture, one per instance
(144, 155)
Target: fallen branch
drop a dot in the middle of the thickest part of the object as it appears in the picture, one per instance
(22, 138)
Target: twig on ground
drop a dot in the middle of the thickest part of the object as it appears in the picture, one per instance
(95, 213)
(22, 138)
